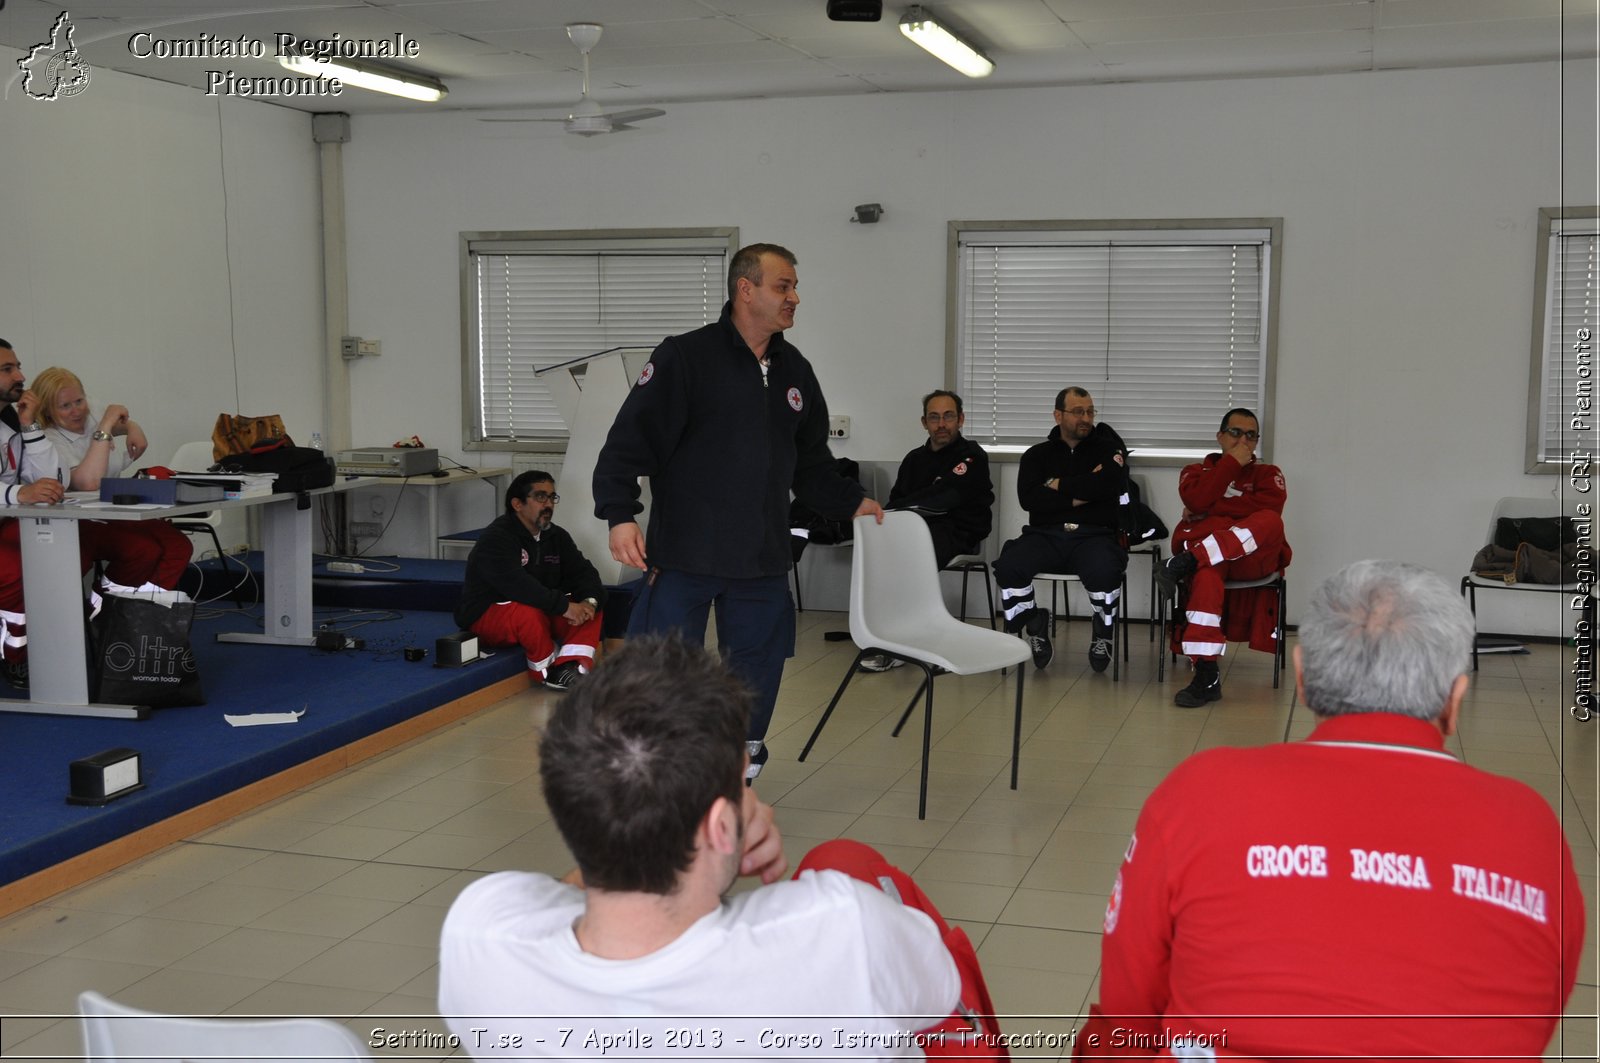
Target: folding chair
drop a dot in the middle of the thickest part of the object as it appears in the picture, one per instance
(1280, 653)
(116, 1033)
(897, 609)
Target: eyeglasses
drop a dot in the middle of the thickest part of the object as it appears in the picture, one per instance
(545, 496)
(1242, 433)
(948, 417)
(1080, 411)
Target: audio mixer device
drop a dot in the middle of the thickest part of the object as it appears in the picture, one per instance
(388, 461)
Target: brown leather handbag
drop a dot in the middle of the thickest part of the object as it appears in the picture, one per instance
(238, 434)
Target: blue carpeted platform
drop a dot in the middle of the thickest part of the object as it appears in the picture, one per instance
(191, 755)
(389, 583)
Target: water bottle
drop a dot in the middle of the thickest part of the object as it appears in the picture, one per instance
(316, 440)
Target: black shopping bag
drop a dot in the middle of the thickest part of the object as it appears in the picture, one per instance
(142, 652)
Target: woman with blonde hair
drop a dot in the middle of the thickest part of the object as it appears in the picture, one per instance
(138, 553)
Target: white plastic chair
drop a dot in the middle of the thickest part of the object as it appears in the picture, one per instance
(196, 457)
(116, 1033)
(897, 609)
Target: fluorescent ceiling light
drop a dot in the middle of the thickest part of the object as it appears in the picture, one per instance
(923, 31)
(369, 76)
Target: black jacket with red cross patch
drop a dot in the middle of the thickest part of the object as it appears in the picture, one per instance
(508, 564)
(723, 445)
(953, 481)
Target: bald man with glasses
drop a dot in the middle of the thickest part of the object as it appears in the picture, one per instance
(1232, 529)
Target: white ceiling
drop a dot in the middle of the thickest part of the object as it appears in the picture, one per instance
(512, 56)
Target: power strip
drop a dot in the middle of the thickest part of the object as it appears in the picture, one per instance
(346, 566)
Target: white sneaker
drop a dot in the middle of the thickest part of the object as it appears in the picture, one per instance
(880, 662)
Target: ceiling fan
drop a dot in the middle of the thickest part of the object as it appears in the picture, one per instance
(587, 118)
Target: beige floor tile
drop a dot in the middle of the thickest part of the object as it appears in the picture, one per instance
(52, 987)
(444, 894)
(1072, 876)
(121, 893)
(226, 904)
(1027, 994)
(414, 924)
(1013, 839)
(877, 830)
(991, 869)
(62, 1039)
(966, 900)
(256, 953)
(831, 797)
(297, 871)
(365, 965)
(148, 940)
(412, 816)
(355, 843)
(387, 882)
(815, 823)
(48, 930)
(442, 850)
(324, 915)
(1068, 951)
(497, 824)
(262, 832)
(903, 803)
(195, 992)
(301, 998)
(1057, 911)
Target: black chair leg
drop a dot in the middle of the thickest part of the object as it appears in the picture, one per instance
(904, 716)
(927, 739)
(855, 666)
(1016, 727)
(988, 593)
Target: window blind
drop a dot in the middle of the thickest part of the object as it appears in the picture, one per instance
(539, 307)
(1167, 330)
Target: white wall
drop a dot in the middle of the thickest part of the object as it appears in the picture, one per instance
(116, 245)
(1408, 198)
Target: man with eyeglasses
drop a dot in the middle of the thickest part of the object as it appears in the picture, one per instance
(945, 482)
(1073, 486)
(1232, 528)
(528, 585)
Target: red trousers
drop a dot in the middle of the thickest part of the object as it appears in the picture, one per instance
(136, 552)
(971, 1031)
(1247, 548)
(515, 624)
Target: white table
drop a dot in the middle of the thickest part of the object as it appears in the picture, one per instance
(58, 666)
(432, 484)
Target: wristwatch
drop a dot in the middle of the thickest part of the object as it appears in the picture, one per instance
(34, 427)
(99, 435)
(591, 602)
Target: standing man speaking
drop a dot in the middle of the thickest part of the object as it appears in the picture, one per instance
(726, 421)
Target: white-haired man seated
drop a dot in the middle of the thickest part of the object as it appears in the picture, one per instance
(1360, 893)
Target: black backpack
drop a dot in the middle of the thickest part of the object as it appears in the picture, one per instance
(297, 468)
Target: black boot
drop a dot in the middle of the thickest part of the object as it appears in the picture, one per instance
(1205, 687)
(1179, 567)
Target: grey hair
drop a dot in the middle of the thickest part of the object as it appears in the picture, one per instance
(1384, 636)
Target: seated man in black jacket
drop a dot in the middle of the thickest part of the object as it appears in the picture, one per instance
(945, 481)
(1072, 486)
(527, 585)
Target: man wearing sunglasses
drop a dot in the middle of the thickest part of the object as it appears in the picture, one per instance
(528, 585)
(1232, 528)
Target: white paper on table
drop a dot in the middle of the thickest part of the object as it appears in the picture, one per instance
(256, 719)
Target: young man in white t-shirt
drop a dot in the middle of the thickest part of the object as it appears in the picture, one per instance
(641, 952)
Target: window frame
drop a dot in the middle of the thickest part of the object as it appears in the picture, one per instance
(1554, 223)
(1134, 227)
(598, 240)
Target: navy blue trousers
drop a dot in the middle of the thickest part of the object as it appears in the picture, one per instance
(755, 627)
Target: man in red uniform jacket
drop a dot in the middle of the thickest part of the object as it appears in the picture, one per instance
(1362, 893)
(1232, 528)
